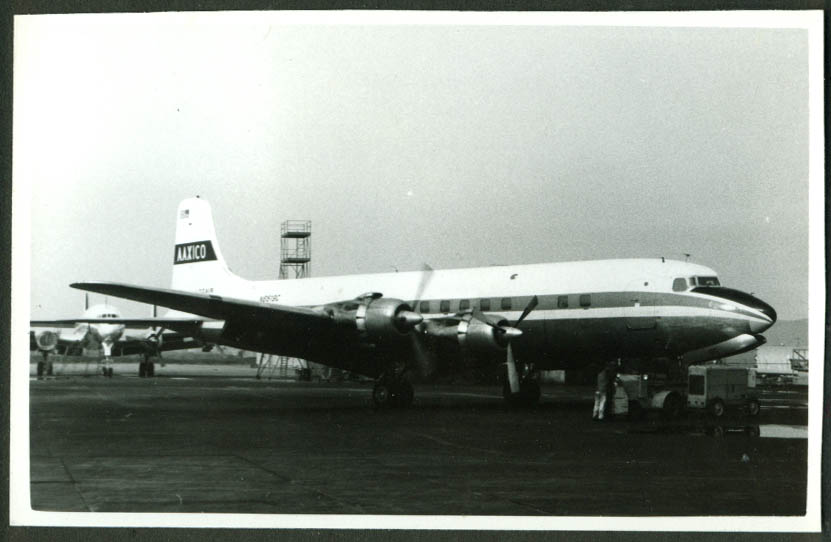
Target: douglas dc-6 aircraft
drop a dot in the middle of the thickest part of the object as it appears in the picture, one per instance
(102, 327)
(413, 326)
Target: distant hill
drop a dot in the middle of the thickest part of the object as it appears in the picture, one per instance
(788, 333)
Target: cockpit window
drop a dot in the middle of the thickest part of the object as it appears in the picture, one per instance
(679, 284)
(708, 281)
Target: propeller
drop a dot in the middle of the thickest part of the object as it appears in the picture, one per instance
(509, 333)
(426, 276)
(424, 359)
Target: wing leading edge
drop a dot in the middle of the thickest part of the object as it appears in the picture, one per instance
(212, 306)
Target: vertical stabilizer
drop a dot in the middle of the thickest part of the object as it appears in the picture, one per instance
(198, 265)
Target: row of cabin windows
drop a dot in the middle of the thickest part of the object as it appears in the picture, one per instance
(505, 304)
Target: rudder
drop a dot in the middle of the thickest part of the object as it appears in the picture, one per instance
(198, 265)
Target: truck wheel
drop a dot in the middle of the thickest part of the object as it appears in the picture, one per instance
(717, 408)
(672, 406)
(753, 407)
(635, 410)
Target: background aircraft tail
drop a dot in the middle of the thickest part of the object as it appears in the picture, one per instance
(198, 265)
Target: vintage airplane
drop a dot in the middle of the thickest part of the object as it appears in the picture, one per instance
(412, 326)
(101, 327)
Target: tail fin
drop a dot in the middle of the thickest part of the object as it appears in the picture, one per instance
(198, 264)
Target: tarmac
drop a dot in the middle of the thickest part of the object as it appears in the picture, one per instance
(180, 443)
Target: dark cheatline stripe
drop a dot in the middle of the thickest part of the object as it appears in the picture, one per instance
(604, 300)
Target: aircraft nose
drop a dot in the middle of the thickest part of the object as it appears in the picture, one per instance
(760, 325)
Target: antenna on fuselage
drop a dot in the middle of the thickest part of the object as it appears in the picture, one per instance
(686, 257)
(86, 301)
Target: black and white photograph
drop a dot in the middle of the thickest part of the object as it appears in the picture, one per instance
(418, 270)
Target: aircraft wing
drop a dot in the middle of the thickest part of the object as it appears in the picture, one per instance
(171, 341)
(183, 325)
(213, 306)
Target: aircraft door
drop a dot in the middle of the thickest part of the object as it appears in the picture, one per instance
(643, 332)
(639, 307)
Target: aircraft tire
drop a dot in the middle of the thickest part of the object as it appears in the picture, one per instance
(41, 367)
(142, 369)
(530, 391)
(404, 394)
(151, 369)
(528, 395)
(382, 395)
(109, 372)
(49, 368)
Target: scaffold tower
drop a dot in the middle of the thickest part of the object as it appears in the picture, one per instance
(295, 249)
(295, 262)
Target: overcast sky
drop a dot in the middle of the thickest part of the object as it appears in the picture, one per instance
(453, 145)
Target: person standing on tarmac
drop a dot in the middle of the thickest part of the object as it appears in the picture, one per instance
(611, 375)
(601, 394)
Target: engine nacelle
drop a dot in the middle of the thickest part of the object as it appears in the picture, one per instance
(477, 337)
(46, 340)
(381, 318)
(376, 318)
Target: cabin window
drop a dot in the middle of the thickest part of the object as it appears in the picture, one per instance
(506, 304)
(424, 306)
(562, 301)
(444, 306)
(484, 304)
(679, 284)
(708, 281)
(464, 304)
(692, 281)
(585, 300)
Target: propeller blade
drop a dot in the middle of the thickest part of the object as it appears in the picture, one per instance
(528, 308)
(485, 319)
(426, 276)
(425, 363)
(513, 377)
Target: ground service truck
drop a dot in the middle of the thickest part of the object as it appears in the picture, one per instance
(712, 388)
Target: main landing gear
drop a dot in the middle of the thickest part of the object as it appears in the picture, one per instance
(44, 367)
(106, 367)
(528, 395)
(147, 368)
(529, 389)
(392, 392)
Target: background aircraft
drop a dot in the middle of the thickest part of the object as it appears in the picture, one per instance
(101, 327)
(399, 327)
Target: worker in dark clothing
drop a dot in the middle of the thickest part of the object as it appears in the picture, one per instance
(601, 394)
(611, 375)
